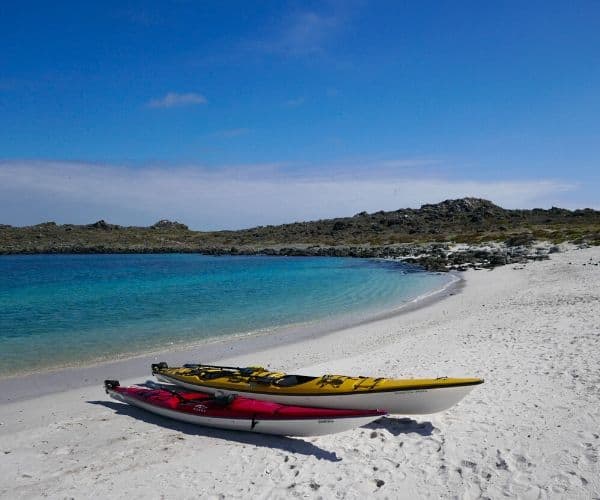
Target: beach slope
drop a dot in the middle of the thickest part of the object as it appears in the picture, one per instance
(531, 431)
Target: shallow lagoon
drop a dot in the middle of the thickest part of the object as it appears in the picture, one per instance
(60, 310)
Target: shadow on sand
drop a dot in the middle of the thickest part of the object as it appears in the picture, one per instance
(397, 426)
(288, 444)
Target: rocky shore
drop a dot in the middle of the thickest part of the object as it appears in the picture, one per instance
(431, 256)
(451, 235)
(445, 256)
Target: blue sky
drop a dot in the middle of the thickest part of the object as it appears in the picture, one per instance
(231, 114)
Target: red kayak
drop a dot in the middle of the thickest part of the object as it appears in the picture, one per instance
(240, 413)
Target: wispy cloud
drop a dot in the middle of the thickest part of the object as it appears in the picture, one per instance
(304, 32)
(234, 197)
(294, 103)
(297, 33)
(174, 100)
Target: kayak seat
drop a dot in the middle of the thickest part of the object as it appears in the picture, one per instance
(287, 381)
(292, 380)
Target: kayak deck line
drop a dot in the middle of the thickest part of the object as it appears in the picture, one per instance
(415, 387)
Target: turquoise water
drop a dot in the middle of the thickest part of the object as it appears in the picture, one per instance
(67, 309)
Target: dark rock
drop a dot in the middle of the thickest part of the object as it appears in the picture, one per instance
(464, 205)
(167, 224)
(521, 239)
(498, 259)
(101, 224)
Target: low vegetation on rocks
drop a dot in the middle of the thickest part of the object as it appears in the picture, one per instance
(429, 236)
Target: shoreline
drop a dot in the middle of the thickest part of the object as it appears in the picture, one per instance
(32, 384)
(435, 256)
(530, 431)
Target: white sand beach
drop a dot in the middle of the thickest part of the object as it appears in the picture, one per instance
(531, 431)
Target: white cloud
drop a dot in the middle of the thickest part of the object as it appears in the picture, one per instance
(173, 99)
(235, 197)
(304, 32)
(294, 103)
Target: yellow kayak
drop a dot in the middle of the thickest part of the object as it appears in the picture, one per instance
(399, 396)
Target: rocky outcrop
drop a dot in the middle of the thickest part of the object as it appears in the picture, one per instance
(434, 257)
(452, 208)
(167, 224)
(440, 257)
(102, 224)
(486, 235)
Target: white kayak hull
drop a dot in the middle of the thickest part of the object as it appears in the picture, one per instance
(402, 402)
(282, 427)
